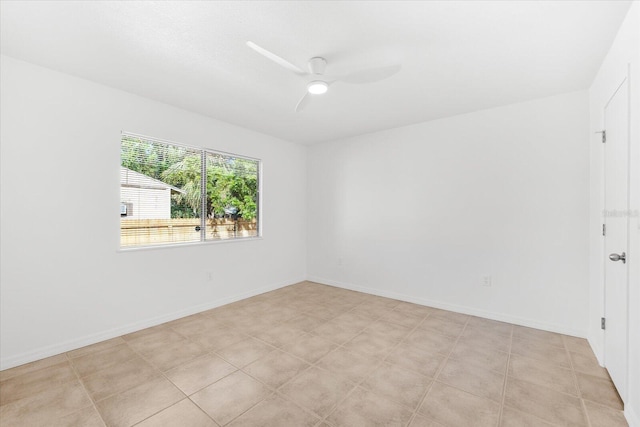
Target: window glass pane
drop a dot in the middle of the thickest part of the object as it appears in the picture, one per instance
(160, 191)
(232, 197)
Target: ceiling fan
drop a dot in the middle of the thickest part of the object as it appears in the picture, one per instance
(319, 82)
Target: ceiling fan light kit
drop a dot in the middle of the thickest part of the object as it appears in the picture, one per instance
(317, 66)
(317, 87)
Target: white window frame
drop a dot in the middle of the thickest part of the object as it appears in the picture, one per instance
(203, 218)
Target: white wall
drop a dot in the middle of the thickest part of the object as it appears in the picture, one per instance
(623, 58)
(421, 212)
(63, 282)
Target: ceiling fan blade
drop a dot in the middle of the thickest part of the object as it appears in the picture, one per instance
(371, 75)
(275, 58)
(304, 101)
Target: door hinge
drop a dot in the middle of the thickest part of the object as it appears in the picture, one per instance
(603, 322)
(604, 229)
(604, 135)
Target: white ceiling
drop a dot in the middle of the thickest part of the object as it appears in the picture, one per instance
(456, 56)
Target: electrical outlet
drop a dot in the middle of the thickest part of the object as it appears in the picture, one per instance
(340, 261)
(486, 281)
(209, 276)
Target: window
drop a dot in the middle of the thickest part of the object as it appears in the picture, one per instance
(172, 194)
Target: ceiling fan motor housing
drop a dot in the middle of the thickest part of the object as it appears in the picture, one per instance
(317, 65)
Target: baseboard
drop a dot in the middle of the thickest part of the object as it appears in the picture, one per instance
(531, 323)
(596, 348)
(632, 417)
(52, 350)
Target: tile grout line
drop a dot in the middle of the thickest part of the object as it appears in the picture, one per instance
(384, 359)
(415, 410)
(214, 353)
(570, 368)
(577, 384)
(506, 378)
(275, 391)
(441, 367)
(161, 375)
(411, 331)
(355, 383)
(557, 391)
(444, 362)
(272, 391)
(93, 403)
(378, 364)
(211, 352)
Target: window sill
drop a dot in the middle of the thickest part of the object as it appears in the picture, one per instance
(188, 244)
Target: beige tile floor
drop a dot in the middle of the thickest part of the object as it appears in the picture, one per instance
(314, 355)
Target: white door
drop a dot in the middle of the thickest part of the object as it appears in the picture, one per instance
(616, 212)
